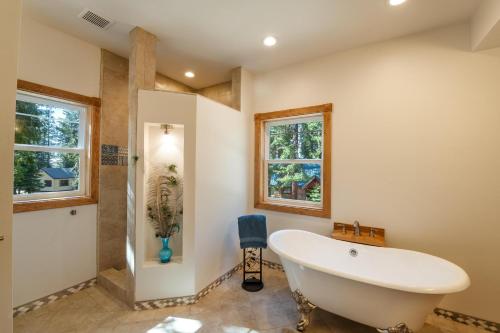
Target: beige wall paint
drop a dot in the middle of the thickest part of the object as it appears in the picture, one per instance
(485, 26)
(53, 58)
(221, 188)
(10, 17)
(56, 59)
(67, 244)
(416, 134)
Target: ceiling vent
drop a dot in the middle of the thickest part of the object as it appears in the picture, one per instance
(95, 19)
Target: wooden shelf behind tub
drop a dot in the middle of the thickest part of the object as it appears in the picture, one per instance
(364, 238)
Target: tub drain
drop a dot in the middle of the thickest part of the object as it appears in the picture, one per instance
(353, 252)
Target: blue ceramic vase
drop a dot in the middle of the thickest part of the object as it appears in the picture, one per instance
(165, 252)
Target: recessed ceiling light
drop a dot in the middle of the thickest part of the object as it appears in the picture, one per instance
(189, 74)
(269, 41)
(396, 2)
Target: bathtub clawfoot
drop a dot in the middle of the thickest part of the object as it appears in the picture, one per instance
(399, 328)
(305, 308)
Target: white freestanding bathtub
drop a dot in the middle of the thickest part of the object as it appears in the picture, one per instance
(379, 287)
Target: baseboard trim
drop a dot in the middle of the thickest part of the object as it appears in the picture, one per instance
(273, 265)
(193, 299)
(460, 318)
(186, 300)
(468, 320)
(36, 304)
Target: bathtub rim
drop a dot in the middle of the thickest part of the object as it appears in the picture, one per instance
(458, 286)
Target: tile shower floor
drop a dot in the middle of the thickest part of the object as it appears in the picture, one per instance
(227, 309)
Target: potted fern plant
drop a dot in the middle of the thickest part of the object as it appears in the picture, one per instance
(164, 206)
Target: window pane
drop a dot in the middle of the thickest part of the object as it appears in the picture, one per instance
(38, 172)
(294, 181)
(47, 125)
(295, 141)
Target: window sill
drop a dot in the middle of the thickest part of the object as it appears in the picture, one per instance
(44, 204)
(309, 211)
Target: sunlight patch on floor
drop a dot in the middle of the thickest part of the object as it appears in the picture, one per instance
(237, 329)
(177, 325)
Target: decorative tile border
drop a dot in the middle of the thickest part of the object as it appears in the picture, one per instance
(273, 265)
(185, 300)
(114, 155)
(35, 305)
(468, 320)
(193, 299)
(145, 305)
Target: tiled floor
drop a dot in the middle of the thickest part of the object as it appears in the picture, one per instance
(227, 309)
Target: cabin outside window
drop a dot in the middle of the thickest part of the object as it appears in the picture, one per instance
(64, 182)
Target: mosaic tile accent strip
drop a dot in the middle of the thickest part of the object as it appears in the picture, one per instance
(114, 155)
(109, 149)
(273, 265)
(193, 299)
(468, 320)
(37, 304)
(122, 156)
(186, 300)
(145, 305)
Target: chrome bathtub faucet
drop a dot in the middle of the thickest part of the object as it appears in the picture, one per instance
(357, 231)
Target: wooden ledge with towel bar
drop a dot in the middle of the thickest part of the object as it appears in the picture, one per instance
(366, 235)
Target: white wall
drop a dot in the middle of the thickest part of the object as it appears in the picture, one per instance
(155, 280)
(53, 250)
(10, 19)
(55, 59)
(215, 191)
(416, 133)
(221, 187)
(247, 108)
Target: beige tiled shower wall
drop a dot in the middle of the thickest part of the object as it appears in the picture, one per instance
(165, 83)
(112, 210)
(220, 93)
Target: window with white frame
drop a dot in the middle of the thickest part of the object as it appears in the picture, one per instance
(51, 150)
(293, 162)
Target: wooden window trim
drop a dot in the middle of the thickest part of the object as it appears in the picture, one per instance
(94, 107)
(58, 93)
(260, 119)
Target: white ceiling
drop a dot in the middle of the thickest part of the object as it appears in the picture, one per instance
(210, 37)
